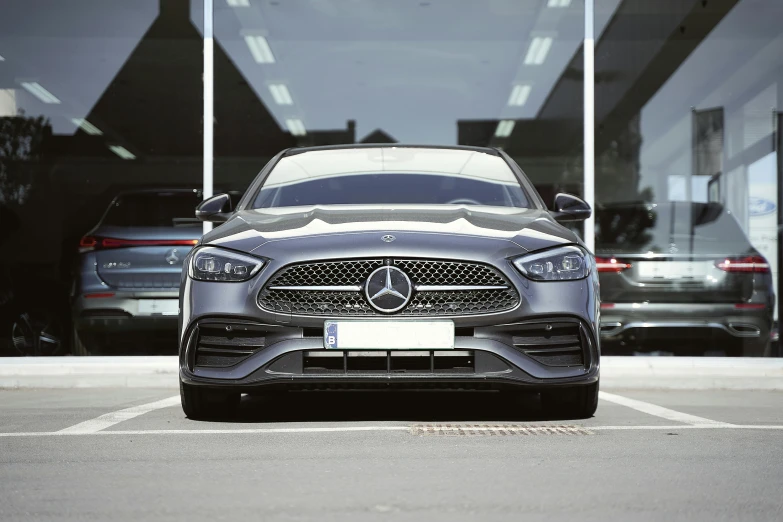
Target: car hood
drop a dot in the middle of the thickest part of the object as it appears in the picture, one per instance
(265, 230)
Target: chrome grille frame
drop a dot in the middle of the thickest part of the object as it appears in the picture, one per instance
(442, 288)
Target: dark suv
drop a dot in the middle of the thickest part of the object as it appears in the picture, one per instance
(128, 271)
(681, 277)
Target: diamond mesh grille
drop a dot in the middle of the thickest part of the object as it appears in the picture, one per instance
(461, 302)
(330, 273)
(425, 272)
(421, 272)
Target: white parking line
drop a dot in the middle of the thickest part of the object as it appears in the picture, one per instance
(98, 424)
(660, 411)
(110, 419)
(348, 429)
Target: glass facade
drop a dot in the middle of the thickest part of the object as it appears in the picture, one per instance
(101, 97)
(504, 73)
(687, 106)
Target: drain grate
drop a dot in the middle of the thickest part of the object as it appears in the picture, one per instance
(498, 429)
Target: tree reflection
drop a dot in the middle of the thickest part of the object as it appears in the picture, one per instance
(21, 138)
(625, 227)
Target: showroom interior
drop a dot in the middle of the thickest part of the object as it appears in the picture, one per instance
(98, 97)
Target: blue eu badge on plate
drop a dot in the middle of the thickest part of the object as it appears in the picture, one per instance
(330, 335)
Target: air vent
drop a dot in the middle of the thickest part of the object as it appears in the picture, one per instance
(552, 344)
(220, 345)
(328, 362)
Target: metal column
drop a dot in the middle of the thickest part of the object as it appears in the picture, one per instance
(589, 122)
(209, 103)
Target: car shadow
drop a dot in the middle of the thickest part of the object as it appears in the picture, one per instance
(422, 407)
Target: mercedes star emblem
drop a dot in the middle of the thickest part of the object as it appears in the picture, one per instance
(388, 238)
(388, 289)
(171, 256)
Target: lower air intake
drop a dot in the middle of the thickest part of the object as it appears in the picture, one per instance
(551, 343)
(220, 345)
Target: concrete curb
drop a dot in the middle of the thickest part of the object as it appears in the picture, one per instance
(89, 372)
(683, 373)
(692, 373)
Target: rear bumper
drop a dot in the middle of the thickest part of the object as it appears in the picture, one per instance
(121, 312)
(638, 322)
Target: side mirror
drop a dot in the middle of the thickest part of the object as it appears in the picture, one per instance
(570, 208)
(216, 209)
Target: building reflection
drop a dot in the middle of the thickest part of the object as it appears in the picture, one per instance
(687, 101)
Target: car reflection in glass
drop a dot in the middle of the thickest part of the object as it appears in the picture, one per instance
(128, 271)
(682, 278)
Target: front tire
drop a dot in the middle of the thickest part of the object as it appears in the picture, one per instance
(205, 404)
(579, 402)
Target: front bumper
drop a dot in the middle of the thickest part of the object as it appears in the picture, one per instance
(291, 357)
(496, 351)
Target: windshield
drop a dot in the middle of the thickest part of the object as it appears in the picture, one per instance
(391, 176)
(153, 209)
(669, 227)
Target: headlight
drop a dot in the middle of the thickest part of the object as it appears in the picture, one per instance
(559, 264)
(216, 264)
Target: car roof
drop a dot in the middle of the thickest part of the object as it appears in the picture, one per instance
(160, 190)
(352, 146)
(644, 205)
(171, 190)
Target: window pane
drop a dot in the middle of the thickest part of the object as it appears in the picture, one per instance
(503, 73)
(686, 173)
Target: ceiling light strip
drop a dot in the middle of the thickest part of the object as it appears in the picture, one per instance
(295, 126)
(260, 49)
(39, 92)
(538, 50)
(86, 126)
(122, 152)
(280, 94)
(504, 128)
(519, 95)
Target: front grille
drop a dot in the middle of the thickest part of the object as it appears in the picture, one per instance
(220, 345)
(473, 289)
(552, 344)
(461, 302)
(331, 273)
(426, 272)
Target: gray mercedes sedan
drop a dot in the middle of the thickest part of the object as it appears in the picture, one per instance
(384, 267)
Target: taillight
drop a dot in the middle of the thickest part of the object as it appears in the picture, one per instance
(744, 264)
(108, 242)
(101, 295)
(603, 264)
(88, 243)
(750, 306)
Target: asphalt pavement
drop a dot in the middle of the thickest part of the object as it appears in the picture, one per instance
(130, 454)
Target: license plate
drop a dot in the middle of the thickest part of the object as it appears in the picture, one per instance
(389, 335)
(673, 269)
(159, 306)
